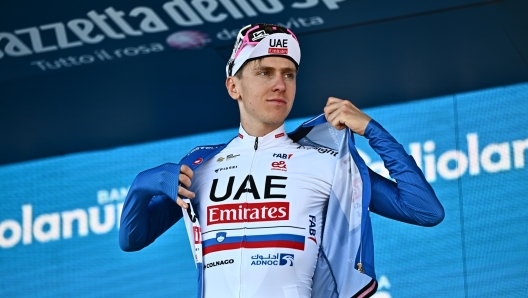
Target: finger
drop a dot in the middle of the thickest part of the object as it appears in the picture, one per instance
(336, 119)
(181, 203)
(332, 110)
(332, 99)
(185, 180)
(338, 123)
(182, 191)
(333, 102)
(186, 171)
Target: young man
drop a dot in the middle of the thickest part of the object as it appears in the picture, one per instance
(272, 214)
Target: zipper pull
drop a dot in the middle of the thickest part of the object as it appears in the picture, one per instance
(256, 144)
(360, 267)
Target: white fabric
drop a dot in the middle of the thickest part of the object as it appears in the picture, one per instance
(303, 174)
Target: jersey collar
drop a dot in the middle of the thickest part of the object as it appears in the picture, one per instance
(278, 135)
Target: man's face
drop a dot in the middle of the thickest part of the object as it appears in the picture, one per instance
(266, 91)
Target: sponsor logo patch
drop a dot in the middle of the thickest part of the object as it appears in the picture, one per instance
(228, 157)
(201, 148)
(231, 156)
(321, 150)
(278, 43)
(197, 235)
(219, 263)
(259, 35)
(198, 161)
(279, 166)
(188, 39)
(225, 169)
(279, 259)
(279, 51)
(248, 212)
(282, 155)
(312, 228)
(271, 189)
(279, 135)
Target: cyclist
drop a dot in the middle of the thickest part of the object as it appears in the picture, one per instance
(271, 214)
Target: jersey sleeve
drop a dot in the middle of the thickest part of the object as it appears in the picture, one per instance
(150, 208)
(411, 198)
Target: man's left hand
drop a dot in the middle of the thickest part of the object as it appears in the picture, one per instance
(342, 113)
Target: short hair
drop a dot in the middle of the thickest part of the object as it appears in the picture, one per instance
(238, 74)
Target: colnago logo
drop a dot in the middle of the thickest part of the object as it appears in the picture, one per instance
(118, 24)
(280, 259)
(219, 263)
(55, 226)
(452, 164)
(248, 212)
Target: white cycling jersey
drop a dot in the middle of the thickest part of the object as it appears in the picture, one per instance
(260, 203)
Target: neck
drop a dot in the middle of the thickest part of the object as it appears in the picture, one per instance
(260, 129)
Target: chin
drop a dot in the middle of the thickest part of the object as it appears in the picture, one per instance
(276, 120)
(278, 115)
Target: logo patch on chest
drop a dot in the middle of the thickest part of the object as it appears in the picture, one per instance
(279, 166)
(248, 212)
(282, 155)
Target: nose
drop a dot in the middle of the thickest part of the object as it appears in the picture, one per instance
(279, 84)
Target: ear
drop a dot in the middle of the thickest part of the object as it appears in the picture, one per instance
(231, 85)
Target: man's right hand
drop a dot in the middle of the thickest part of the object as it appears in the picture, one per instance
(186, 175)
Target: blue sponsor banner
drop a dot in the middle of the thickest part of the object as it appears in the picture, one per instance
(37, 38)
(59, 216)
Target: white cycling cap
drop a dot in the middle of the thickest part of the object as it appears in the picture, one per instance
(262, 40)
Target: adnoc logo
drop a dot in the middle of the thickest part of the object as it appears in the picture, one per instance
(280, 259)
(286, 260)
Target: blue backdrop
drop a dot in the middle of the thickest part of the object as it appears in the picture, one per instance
(59, 216)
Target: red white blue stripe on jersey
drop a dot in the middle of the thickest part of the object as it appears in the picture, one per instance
(254, 241)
